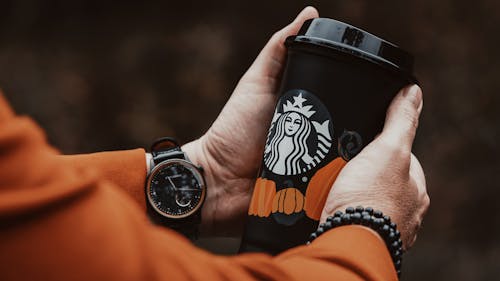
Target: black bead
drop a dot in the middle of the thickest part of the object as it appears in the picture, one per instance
(397, 233)
(377, 222)
(393, 225)
(346, 219)
(377, 213)
(391, 237)
(369, 210)
(387, 219)
(367, 220)
(395, 245)
(393, 255)
(330, 218)
(356, 217)
(321, 224)
(398, 272)
(328, 225)
(396, 255)
(313, 236)
(360, 209)
(397, 264)
(385, 229)
(400, 241)
(349, 210)
(337, 221)
(364, 213)
(338, 214)
(320, 231)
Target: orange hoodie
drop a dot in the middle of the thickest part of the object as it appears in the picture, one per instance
(82, 218)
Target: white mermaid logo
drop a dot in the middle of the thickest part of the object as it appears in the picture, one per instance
(289, 141)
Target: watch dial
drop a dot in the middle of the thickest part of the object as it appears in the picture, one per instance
(175, 190)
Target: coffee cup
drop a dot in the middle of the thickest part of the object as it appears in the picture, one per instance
(336, 87)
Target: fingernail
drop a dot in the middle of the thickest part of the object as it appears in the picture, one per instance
(414, 95)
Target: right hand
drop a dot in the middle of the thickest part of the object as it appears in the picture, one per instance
(385, 175)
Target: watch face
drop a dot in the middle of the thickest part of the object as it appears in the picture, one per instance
(175, 188)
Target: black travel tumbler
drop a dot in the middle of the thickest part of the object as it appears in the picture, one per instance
(337, 85)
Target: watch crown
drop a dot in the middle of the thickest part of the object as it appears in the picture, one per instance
(201, 169)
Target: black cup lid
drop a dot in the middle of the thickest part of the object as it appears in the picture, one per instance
(354, 41)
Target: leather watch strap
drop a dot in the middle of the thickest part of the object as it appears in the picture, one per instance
(166, 148)
(187, 226)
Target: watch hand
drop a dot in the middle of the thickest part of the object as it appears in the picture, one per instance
(188, 189)
(173, 185)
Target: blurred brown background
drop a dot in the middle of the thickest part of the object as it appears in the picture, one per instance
(112, 75)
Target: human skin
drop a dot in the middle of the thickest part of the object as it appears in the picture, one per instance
(385, 175)
(231, 152)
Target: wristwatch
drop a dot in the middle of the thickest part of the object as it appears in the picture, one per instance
(175, 189)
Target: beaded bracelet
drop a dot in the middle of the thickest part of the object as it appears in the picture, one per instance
(372, 219)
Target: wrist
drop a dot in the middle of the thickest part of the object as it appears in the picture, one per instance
(195, 154)
(371, 219)
(175, 189)
(228, 195)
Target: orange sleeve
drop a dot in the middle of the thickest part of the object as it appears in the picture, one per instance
(124, 169)
(61, 221)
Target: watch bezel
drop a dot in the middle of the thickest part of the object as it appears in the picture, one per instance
(190, 166)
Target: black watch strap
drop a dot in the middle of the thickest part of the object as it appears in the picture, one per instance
(161, 150)
(189, 226)
(166, 148)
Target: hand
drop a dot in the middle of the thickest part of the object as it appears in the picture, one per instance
(231, 150)
(385, 175)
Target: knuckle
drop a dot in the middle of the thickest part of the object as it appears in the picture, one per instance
(403, 154)
(276, 37)
(397, 151)
(427, 201)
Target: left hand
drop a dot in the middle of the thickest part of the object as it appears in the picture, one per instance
(231, 150)
(385, 175)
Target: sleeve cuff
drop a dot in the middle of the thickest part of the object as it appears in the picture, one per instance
(126, 169)
(356, 248)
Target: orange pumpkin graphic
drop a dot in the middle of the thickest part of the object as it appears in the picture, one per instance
(319, 187)
(289, 200)
(262, 198)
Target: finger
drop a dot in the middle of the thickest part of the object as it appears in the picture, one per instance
(271, 59)
(401, 121)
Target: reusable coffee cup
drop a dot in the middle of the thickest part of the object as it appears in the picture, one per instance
(336, 87)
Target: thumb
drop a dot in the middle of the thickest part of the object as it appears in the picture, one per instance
(271, 59)
(402, 118)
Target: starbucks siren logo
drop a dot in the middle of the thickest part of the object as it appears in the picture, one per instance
(300, 134)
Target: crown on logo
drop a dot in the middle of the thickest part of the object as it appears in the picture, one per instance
(297, 106)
